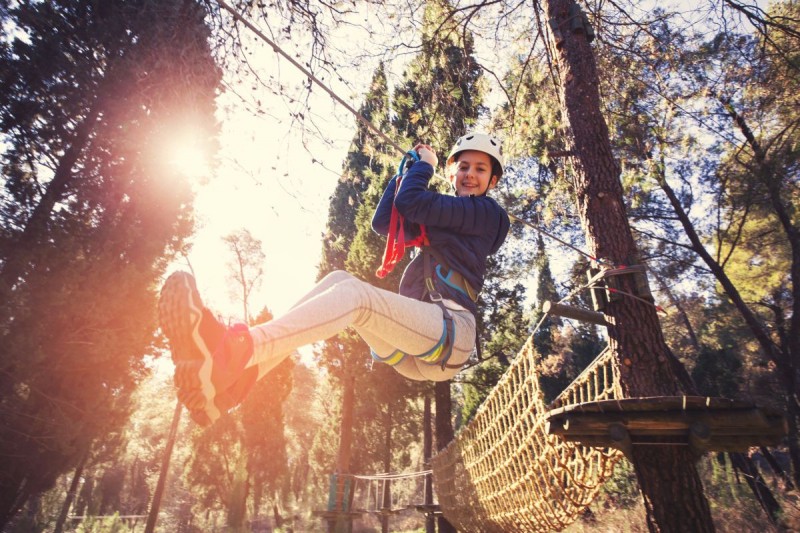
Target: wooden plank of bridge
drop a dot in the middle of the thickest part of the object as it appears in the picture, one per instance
(706, 424)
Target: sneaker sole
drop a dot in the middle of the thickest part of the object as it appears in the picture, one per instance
(180, 311)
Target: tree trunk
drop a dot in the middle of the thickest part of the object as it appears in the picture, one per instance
(387, 467)
(73, 490)
(427, 453)
(344, 524)
(752, 476)
(237, 507)
(673, 494)
(14, 492)
(777, 468)
(444, 432)
(152, 516)
(85, 503)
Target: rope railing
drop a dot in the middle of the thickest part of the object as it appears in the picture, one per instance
(504, 472)
(598, 381)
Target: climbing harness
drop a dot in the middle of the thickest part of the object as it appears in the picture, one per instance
(438, 355)
(442, 350)
(434, 262)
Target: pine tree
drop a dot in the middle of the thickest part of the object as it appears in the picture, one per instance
(347, 356)
(90, 214)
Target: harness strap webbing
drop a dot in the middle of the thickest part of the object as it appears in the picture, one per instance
(436, 298)
(453, 277)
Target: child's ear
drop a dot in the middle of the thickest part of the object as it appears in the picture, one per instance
(492, 183)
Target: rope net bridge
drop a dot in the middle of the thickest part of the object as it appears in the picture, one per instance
(521, 465)
(504, 472)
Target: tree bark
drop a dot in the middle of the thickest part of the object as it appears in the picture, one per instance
(670, 484)
(427, 453)
(73, 490)
(444, 432)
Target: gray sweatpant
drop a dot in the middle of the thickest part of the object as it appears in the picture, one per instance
(385, 320)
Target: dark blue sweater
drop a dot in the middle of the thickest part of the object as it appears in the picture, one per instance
(463, 230)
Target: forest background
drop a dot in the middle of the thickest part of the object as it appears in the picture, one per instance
(107, 106)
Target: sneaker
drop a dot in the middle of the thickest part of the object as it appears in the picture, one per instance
(209, 357)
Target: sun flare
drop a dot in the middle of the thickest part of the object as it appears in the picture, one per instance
(189, 159)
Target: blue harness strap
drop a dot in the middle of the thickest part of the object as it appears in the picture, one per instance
(437, 355)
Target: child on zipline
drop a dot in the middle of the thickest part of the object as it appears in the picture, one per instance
(426, 332)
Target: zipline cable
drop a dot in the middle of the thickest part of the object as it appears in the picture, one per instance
(278, 50)
(534, 227)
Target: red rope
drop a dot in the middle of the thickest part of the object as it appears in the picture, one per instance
(396, 243)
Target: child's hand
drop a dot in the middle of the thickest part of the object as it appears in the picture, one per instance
(427, 154)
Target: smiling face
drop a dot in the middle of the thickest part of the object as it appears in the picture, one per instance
(471, 174)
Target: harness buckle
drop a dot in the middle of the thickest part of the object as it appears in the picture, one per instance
(429, 285)
(435, 296)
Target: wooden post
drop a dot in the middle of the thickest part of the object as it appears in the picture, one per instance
(575, 313)
(152, 516)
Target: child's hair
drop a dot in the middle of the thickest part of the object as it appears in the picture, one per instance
(497, 168)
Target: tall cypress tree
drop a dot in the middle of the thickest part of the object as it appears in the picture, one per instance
(347, 356)
(365, 159)
(440, 96)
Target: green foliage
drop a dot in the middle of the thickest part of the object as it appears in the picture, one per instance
(113, 524)
(440, 97)
(89, 215)
(366, 159)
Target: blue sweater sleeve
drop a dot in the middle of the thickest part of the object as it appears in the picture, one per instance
(468, 215)
(383, 213)
(380, 219)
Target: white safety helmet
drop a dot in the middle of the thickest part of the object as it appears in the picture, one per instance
(482, 142)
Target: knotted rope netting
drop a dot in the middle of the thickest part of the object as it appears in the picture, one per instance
(503, 472)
